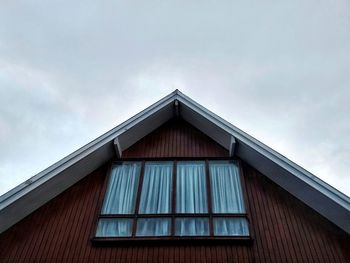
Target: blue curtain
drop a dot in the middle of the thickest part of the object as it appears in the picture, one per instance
(191, 226)
(121, 193)
(225, 187)
(114, 228)
(191, 191)
(231, 227)
(153, 227)
(156, 188)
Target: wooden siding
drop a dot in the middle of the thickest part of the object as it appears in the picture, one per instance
(176, 138)
(283, 228)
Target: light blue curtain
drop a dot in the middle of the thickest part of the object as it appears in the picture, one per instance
(153, 227)
(191, 226)
(191, 191)
(231, 227)
(121, 193)
(114, 228)
(226, 189)
(156, 188)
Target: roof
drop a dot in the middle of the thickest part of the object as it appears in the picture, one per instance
(30, 195)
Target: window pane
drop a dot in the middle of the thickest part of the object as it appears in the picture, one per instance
(231, 227)
(156, 188)
(225, 187)
(191, 226)
(114, 228)
(191, 191)
(153, 227)
(121, 193)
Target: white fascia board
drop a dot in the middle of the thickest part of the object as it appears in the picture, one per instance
(50, 172)
(266, 151)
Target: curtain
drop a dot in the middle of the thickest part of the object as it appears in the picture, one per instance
(225, 187)
(191, 226)
(231, 227)
(191, 192)
(156, 188)
(121, 193)
(114, 228)
(153, 227)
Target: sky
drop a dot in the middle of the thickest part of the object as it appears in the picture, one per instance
(72, 70)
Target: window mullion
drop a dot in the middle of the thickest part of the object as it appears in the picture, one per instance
(210, 210)
(138, 197)
(173, 208)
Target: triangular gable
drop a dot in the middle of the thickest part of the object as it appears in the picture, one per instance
(176, 138)
(33, 193)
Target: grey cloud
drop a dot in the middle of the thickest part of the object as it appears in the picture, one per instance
(70, 71)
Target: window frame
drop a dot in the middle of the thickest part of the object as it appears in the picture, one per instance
(103, 241)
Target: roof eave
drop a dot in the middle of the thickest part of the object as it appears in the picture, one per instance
(42, 187)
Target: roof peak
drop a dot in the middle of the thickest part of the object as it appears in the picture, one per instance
(176, 92)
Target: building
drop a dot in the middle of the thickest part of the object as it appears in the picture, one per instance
(174, 183)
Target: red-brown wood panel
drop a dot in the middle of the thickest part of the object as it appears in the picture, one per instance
(176, 138)
(286, 230)
(283, 228)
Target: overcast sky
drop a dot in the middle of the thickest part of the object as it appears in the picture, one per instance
(279, 70)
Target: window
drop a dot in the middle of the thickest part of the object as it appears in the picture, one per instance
(174, 200)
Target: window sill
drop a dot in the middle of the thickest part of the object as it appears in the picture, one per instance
(127, 241)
